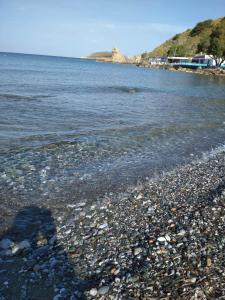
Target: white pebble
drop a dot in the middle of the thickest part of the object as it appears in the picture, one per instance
(93, 292)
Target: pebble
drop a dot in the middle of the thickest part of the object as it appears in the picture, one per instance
(6, 244)
(137, 251)
(168, 238)
(209, 262)
(182, 233)
(41, 251)
(158, 253)
(15, 249)
(24, 244)
(161, 239)
(103, 226)
(103, 290)
(93, 292)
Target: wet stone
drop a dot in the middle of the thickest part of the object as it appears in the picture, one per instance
(6, 244)
(103, 290)
(93, 292)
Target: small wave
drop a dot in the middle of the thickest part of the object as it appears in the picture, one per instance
(130, 89)
(17, 97)
(126, 89)
(114, 89)
(213, 152)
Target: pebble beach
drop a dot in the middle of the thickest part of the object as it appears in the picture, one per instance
(161, 239)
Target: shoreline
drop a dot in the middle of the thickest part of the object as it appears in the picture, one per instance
(205, 71)
(161, 239)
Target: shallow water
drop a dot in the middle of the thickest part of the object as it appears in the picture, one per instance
(72, 128)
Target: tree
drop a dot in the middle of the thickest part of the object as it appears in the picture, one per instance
(177, 50)
(216, 46)
(203, 46)
(144, 56)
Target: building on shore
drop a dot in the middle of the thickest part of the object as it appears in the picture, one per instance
(197, 61)
(178, 60)
(204, 59)
(158, 60)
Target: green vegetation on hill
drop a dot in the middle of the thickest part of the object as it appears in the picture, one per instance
(215, 44)
(103, 54)
(192, 41)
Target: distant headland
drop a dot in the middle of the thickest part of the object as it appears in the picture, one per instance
(201, 48)
(114, 56)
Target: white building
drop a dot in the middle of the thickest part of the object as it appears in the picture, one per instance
(158, 60)
(204, 59)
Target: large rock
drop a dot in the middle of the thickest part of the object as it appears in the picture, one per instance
(117, 56)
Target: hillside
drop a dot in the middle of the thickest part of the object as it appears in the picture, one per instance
(114, 56)
(99, 55)
(186, 43)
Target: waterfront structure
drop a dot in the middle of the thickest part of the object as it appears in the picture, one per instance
(178, 60)
(158, 60)
(204, 59)
(198, 61)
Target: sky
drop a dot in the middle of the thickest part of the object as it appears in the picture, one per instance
(76, 28)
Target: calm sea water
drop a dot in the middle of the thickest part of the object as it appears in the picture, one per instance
(72, 128)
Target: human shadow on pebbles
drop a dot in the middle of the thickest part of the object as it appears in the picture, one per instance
(32, 263)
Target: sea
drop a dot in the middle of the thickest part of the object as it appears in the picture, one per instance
(73, 129)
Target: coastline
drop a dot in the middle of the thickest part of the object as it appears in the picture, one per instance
(205, 71)
(162, 239)
(213, 72)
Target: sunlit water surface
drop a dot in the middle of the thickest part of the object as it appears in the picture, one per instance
(72, 128)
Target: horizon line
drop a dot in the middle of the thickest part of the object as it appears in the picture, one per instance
(36, 54)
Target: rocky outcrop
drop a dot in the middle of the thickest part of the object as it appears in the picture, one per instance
(114, 56)
(136, 59)
(118, 57)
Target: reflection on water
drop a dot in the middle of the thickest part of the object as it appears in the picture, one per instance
(75, 128)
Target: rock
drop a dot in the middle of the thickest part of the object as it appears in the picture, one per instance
(36, 268)
(182, 233)
(52, 240)
(103, 290)
(209, 262)
(199, 294)
(103, 226)
(63, 292)
(139, 197)
(136, 59)
(24, 244)
(15, 249)
(114, 56)
(93, 292)
(168, 238)
(6, 244)
(161, 239)
(117, 56)
(42, 251)
(137, 251)
(133, 279)
(150, 210)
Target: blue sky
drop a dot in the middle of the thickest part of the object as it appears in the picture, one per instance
(78, 27)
